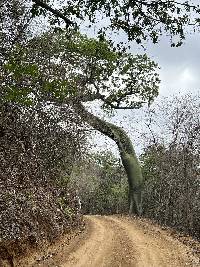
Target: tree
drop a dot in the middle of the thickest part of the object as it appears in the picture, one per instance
(128, 157)
(139, 20)
(81, 69)
(77, 70)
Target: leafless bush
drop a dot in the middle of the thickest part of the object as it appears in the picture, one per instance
(171, 167)
(38, 147)
(38, 143)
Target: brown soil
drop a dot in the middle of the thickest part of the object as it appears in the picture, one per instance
(114, 241)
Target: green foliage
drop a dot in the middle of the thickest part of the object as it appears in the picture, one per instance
(64, 205)
(17, 88)
(102, 184)
(20, 70)
(17, 95)
(149, 164)
(72, 66)
(139, 20)
(151, 175)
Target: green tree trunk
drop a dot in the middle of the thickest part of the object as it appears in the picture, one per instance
(127, 153)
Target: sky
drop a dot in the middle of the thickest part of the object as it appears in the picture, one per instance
(180, 67)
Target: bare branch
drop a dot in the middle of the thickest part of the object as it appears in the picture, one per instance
(134, 106)
(53, 11)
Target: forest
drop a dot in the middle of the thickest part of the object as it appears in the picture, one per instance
(52, 74)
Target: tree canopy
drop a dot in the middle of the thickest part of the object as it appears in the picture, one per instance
(68, 65)
(139, 19)
(79, 68)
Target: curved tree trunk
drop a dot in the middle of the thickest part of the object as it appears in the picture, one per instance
(127, 153)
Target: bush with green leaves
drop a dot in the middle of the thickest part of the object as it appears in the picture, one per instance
(101, 184)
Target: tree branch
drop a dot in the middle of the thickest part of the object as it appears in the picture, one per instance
(135, 106)
(117, 106)
(185, 4)
(89, 97)
(53, 11)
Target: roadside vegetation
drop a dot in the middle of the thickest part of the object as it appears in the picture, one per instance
(170, 167)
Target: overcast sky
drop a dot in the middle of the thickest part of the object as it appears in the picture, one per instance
(180, 67)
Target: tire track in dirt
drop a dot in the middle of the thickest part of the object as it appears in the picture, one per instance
(154, 248)
(107, 246)
(120, 241)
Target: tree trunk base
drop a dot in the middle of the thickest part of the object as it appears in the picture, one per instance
(135, 203)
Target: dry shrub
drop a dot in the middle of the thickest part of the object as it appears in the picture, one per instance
(35, 153)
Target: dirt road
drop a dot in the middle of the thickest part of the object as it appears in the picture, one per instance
(112, 241)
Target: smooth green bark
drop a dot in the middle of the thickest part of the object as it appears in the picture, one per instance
(127, 153)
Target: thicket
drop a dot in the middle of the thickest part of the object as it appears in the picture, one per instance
(170, 164)
(39, 142)
(172, 193)
(36, 153)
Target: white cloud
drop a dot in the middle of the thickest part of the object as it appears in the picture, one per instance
(187, 76)
(179, 79)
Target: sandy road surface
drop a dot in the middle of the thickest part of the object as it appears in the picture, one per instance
(112, 241)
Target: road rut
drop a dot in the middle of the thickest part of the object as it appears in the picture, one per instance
(118, 241)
